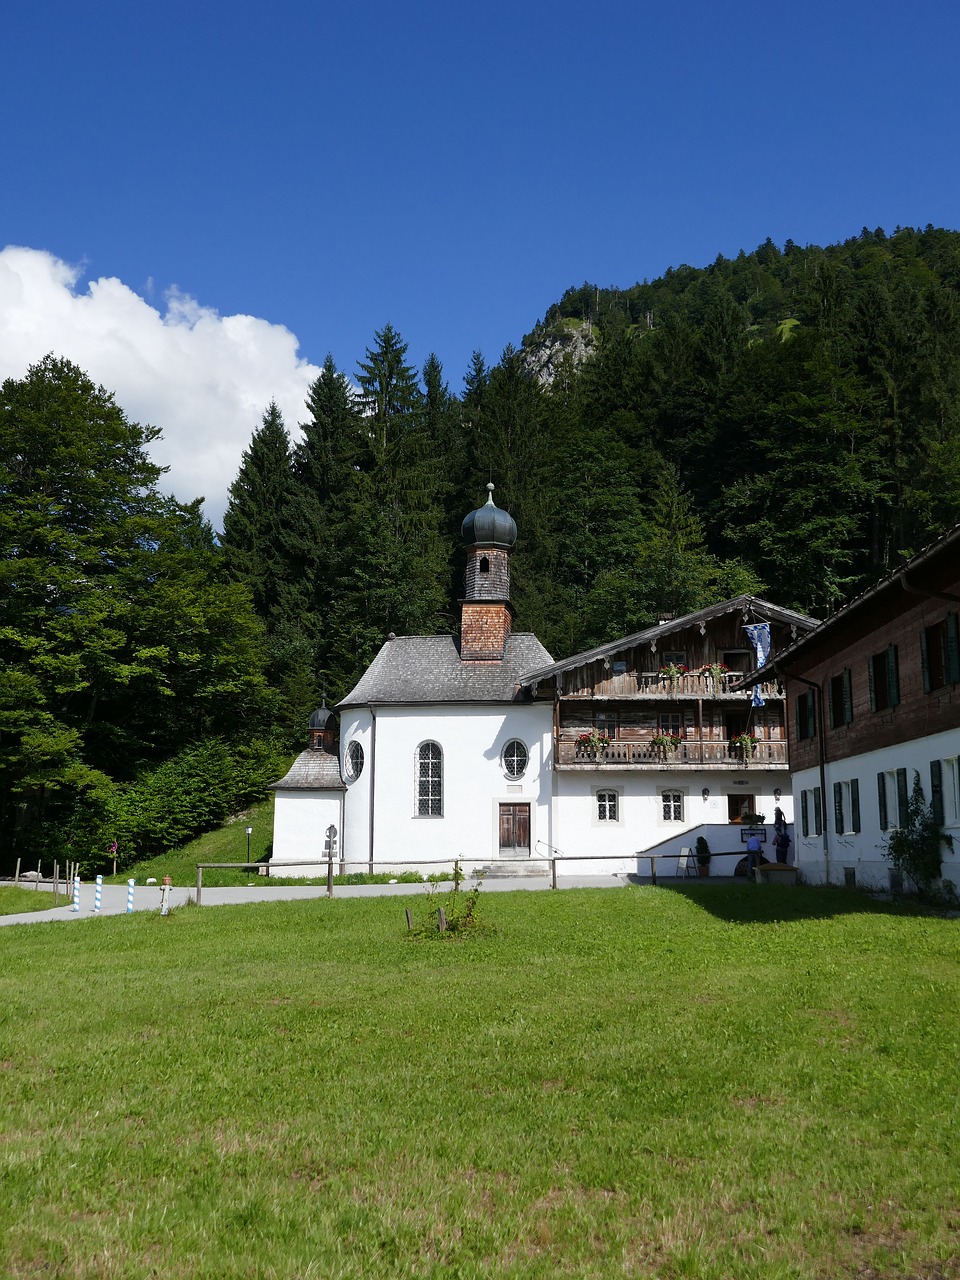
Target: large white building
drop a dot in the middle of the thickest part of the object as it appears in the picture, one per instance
(875, 693)
(481, 748)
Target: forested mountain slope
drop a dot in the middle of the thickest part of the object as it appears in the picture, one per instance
(784, 423)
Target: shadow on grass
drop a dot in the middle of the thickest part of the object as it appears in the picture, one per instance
(774, 904)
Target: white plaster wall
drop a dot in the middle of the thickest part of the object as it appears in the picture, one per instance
(300, 822)
(641, 826)
(472, 739)
(866, 850)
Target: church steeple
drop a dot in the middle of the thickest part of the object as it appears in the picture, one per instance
(485, 612)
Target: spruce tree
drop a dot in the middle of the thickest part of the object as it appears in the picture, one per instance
(256, 520)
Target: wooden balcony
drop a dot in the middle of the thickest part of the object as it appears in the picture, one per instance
(690, 754)
(650, 684)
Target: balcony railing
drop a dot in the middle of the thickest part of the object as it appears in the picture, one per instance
(651, 684)
(689, 752)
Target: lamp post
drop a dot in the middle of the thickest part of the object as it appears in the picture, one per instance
(249, 834)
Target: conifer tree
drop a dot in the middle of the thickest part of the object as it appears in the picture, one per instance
(256, 519)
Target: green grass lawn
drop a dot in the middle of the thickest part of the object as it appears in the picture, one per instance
(728, 1081)
(15, 899)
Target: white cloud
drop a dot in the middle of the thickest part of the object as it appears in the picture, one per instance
(202, 378)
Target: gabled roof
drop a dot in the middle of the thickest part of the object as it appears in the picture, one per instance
(428, 669)
(750, 606)
(907, 580)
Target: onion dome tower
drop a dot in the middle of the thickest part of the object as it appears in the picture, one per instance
(486, 615)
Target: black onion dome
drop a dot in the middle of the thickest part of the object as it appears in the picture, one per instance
(488, 526)
(320, 717)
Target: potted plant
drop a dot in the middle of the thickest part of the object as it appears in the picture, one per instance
(753, 819)
(592, 743)
(665, 743)
(672, 671)
(715, 672)
(744, 744)
(703, 855)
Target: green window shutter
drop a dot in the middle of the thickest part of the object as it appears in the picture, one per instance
(882, 800)
(804, 814)
(903, 798)
(831, 717)
(818, 811)
(838, 808)
(798, 712)
(871, 683)
(936, 791)
(893, 676)
(953, 649)
(811, 715)
(925, 661)
(847, 696)
(855, 804)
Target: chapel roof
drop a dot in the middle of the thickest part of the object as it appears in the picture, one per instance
(429, 669)
(313, 770)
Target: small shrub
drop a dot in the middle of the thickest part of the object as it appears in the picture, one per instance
(460, 912)
(916, 848)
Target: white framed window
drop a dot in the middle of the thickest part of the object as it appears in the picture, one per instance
(846, 807)
(514, 758)
(810, 813)
(353, 761)
(951, 792)
(672, 806)
(429, 780)
(608, 805)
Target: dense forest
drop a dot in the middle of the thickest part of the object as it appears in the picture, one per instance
(786, 422)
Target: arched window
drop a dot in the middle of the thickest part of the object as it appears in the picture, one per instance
(484, 565)
(514, 759)
(429, 781)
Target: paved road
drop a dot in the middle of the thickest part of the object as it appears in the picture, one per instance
(147, 897)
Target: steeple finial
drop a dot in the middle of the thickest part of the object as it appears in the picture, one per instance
(490, 488)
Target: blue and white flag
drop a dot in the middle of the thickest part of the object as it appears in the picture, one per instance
(759, 633)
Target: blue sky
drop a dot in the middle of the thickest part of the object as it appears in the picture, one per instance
(450, 169)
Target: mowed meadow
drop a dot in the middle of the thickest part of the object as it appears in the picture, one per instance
(723, 1081)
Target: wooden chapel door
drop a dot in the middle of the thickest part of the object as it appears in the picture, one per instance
(515, 829)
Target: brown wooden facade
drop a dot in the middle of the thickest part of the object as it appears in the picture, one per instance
(660, 684)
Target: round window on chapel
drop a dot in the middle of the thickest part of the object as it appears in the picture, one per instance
(353, 761)
(514, 759)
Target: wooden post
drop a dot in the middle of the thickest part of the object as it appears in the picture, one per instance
(199, 882)
(56, 884)
(653, 868)
(16, 874)
(441, 920)
(553, 873)
(36, 883)
(409, 915)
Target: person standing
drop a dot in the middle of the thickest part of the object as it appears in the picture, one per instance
(753, 854)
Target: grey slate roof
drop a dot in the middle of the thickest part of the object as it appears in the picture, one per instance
(753, 605)
(312, 770)
(427, 669)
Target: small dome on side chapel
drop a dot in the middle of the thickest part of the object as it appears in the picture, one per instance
(489, 526)
(320, 717)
